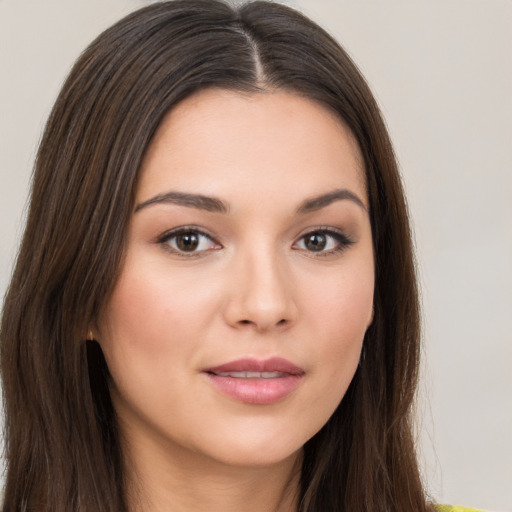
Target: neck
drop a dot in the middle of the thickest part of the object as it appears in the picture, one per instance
(176, 480)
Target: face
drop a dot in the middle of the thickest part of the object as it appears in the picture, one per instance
(237, 321)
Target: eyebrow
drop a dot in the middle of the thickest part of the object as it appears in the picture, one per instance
(321, 201)
(215, 205)
(210, 204)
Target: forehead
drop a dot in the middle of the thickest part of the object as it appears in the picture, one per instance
(226, 142)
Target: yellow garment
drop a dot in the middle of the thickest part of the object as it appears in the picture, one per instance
(457, 508)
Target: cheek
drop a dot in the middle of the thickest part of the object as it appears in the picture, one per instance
(150, 334)
(343, 305)
(341, 315)
(150, 324)
(151, 306)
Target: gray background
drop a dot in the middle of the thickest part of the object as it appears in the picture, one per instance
(442, 72)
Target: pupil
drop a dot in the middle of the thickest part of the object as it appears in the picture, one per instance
(187, 241)
(316, 242)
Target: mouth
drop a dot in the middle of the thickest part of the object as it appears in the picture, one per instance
(257, 382)
(251, 375)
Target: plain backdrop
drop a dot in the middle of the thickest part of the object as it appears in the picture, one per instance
(442, 73)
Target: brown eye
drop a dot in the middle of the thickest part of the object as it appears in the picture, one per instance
(323, 242)
(315, 241)
(187, 242)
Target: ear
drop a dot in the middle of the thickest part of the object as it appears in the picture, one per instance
(93, 330)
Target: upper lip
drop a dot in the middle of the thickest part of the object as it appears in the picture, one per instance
(273, 364)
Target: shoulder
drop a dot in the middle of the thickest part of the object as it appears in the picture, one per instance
(457, 508)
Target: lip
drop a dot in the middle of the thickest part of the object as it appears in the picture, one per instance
(256, 390)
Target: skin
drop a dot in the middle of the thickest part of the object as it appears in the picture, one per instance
(252, 288)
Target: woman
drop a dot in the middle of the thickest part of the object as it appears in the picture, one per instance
(214, 305)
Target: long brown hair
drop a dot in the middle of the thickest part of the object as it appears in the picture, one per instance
(62, 447)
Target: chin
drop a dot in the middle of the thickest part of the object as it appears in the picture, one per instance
(251, 457)
(261, 446)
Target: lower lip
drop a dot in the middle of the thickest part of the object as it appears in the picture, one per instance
(256, 391)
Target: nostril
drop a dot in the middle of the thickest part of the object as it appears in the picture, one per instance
(283, 321)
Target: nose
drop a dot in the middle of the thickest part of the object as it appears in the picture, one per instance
(261, 293)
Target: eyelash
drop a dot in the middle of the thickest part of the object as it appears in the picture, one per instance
(341, 239)
(166, 237)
